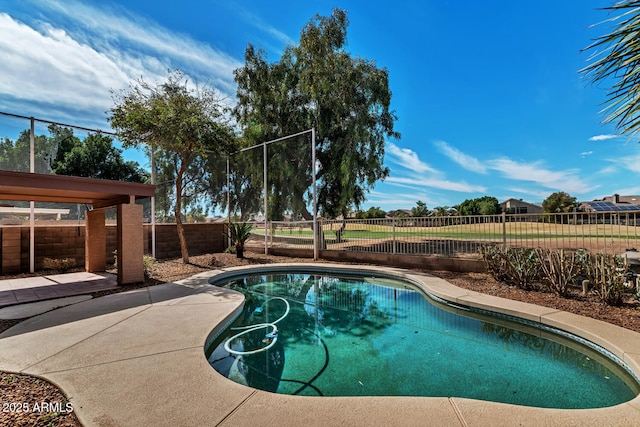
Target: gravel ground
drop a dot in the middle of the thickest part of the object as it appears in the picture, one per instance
(35, 393)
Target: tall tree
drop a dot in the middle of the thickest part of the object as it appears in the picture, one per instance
(485, 205)
(371, 213)
(318, 84)
(96, 157)
(420, 210)
(559, 202)
(181, 121)
(15, 155)
(616, 59)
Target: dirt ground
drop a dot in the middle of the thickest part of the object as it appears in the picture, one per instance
(16, 388)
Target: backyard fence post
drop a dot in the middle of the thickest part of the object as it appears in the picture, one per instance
(504, 228)
(394, 236)
(315, 197)
(266, 230)
(32, 205)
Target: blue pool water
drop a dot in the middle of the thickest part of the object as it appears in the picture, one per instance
(343, 335)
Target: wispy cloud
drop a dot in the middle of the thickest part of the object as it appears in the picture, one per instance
(586, 153)
(535, 172)
(442, 184)
(467, 162)
(630, 163)
(258, 23)
(603, 137)
(388, 201)
(74, 60)
(539, 194)
(408, 159)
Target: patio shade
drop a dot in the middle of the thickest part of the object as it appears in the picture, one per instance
(100, 193)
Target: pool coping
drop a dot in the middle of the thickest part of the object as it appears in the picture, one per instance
(108, 356)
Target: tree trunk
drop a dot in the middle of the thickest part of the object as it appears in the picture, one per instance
(178, 214)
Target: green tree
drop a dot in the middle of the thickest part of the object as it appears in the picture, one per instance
(318, 84)
(96, 157)
(559, 202)
(486, 205)
(181, 121)
(442, 211)
(420, 210)
(15, 155)
(616, 59)
(372, 212)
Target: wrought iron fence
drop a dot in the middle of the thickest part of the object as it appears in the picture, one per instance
(462, 236)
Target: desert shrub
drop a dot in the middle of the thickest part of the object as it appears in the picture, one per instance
(559, 269)
(59, 264)
(517, 266)
(608, 274)
(495, 261)
(524, 266)
(149, 264)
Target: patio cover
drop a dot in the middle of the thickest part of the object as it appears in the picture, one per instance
(100, 194)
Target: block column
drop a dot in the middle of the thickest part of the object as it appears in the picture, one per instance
(95, 242)
(130, 244)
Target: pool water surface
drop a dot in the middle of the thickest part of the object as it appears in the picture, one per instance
(342, 335)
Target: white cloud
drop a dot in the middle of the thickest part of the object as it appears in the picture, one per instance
(608, 170)
(586, 153)
(629, 191)
(408, 159)
(436, 183)
(467, 162)
(603, 137)
(538, 194)
(534, 172)
(52, 68)
(388, 201)
(631, 163)
(258, 23)
(73, 61)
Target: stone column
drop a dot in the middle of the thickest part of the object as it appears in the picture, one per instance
(130, 244)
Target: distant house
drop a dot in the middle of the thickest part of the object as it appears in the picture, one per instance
(613, 203)
(519, 206)
(615, 209)
(402, 213)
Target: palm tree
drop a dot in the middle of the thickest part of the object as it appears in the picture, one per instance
(616, 56)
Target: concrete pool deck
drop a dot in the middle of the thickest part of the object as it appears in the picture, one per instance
(137, 358)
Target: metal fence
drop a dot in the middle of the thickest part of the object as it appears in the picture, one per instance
(462, 236)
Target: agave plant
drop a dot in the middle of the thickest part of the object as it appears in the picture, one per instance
(239, 233)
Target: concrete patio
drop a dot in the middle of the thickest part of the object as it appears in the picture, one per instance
(39, 288)
(137, 358)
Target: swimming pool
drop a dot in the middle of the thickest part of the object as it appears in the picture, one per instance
(343, 334)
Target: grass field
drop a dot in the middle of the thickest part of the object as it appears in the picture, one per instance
(512, 230)
(598, 237)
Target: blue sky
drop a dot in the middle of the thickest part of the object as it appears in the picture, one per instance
(487, 93)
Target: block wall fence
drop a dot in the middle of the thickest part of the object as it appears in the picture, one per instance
(67, 241)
